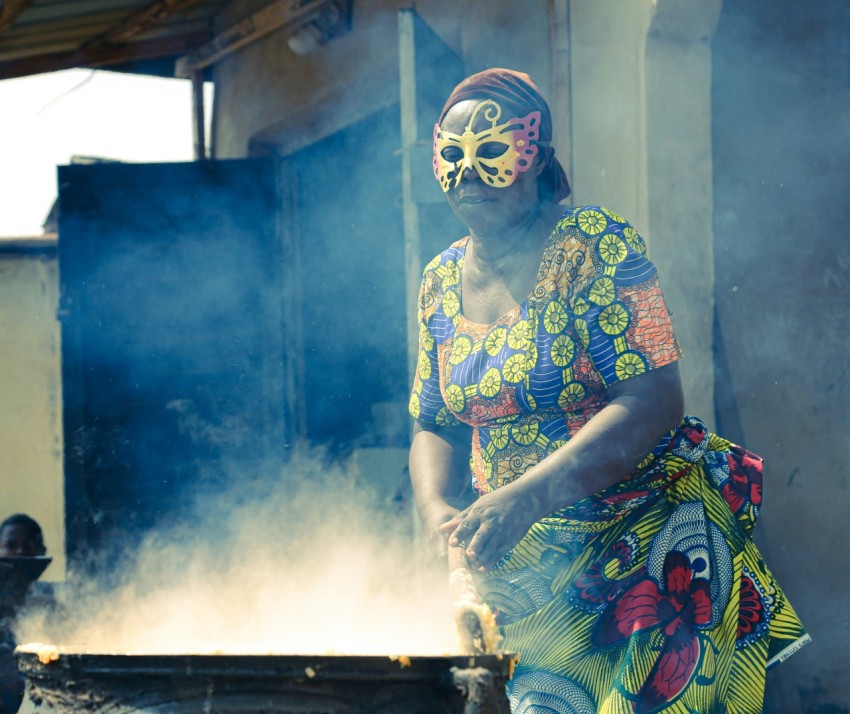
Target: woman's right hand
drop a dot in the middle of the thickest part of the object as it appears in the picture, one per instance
(433, 516)
(439, 472)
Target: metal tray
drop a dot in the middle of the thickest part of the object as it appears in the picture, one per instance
(268, 684)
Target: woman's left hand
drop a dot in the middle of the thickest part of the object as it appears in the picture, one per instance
(490, 527)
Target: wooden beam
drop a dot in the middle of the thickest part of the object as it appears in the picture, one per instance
(263, 22)
(11, 10)
(407, 19)
(139, 21)
(198, 116)
(102, 56)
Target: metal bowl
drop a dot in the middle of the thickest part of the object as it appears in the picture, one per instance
(267, 684)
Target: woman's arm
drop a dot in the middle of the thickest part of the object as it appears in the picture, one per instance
(439, 472)
(642, 409)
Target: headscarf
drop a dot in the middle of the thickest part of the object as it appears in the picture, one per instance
(519, 91)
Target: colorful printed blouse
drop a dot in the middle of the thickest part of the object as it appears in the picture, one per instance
(531, 380)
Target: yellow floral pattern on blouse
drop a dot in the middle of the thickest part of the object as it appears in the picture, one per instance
(528, 382)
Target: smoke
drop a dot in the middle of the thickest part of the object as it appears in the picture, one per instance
(188, 388)
(305, 564)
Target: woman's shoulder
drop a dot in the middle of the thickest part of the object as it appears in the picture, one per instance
(443, 270)
(593, 224)
(441, 275)
(453, 255)
(592, 219)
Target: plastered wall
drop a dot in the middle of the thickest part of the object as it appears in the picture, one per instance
(781, 125)
(31, 398)
(641, 143)
(267, 94)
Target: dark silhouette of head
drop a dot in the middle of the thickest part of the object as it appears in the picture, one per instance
(21, 537)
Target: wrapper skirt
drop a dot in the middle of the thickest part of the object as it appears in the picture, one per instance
(649, 596)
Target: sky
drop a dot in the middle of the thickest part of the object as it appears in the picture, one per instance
(46, 119)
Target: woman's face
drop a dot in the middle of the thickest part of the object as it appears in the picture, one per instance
(483, 208)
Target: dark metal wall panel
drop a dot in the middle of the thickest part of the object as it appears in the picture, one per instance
(171, 294)
(352, 268)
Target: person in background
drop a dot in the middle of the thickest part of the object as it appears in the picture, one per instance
(20, 538)
(611, 534)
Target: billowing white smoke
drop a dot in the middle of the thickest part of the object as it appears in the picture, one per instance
(304, 564)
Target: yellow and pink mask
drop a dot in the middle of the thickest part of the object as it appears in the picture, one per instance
(498, 154)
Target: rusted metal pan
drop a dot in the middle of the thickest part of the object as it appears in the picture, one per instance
(266, 684)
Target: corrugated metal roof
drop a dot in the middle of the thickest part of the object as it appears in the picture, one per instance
(46, 35)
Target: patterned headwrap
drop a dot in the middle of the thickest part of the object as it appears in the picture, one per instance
(518, 91)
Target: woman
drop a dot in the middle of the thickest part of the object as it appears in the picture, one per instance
(611, 535)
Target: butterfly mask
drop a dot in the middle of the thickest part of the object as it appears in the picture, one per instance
(498, 154)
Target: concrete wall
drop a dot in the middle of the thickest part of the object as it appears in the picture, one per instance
(781, 130)
(641, 144)
(267, 94)
(723, 134)
(31, 398)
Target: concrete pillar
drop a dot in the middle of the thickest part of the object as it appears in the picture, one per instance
(679, 181)
(641, 79)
